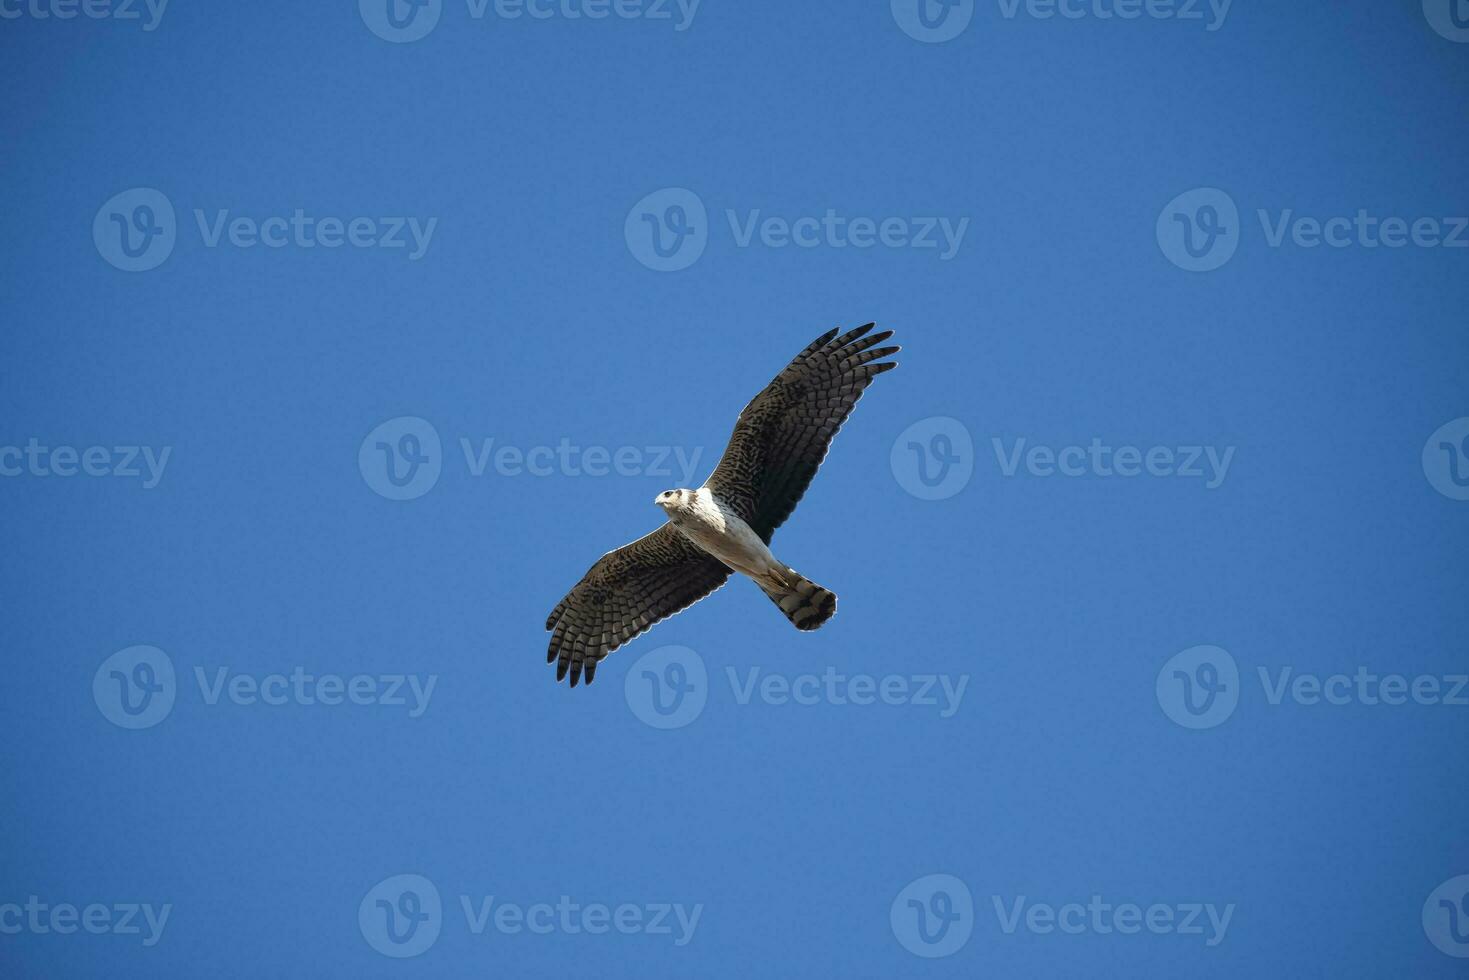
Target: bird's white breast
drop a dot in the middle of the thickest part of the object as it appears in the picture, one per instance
(714, 526)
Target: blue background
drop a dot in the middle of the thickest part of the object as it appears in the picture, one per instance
(530, 321)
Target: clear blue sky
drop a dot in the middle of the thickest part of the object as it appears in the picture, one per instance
(1074, 162)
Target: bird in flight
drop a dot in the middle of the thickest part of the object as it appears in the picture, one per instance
(725, 526)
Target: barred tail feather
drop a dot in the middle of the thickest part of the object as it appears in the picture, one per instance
(807, 605)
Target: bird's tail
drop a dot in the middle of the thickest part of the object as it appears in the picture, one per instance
(806, 604)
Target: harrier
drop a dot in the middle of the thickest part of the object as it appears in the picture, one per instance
(725, 526)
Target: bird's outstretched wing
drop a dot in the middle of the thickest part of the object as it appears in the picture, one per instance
(624, 593)
(782, 436)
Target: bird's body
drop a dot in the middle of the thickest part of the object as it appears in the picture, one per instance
(726, 525)
(716, 527)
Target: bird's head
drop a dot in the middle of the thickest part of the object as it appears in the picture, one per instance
(671, 500)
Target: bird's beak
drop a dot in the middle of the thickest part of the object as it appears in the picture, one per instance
(658, 501)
